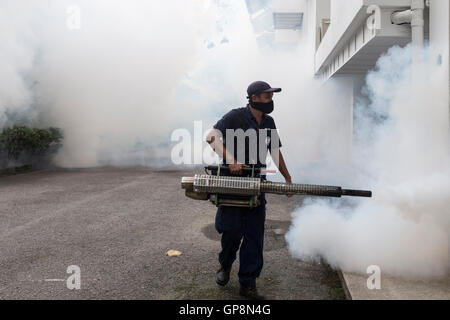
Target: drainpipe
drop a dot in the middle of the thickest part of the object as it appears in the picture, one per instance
(417, 22)
(415, 18)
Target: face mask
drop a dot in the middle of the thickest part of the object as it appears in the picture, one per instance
(267, 108)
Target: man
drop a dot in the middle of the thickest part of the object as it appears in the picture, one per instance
(238, 224)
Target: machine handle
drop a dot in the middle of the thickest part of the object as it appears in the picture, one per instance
(227, 169)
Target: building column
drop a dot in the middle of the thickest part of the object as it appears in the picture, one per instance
(440, 41)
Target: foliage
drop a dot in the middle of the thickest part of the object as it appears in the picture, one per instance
(27, 144)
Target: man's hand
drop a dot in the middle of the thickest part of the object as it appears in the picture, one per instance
(236, 168)
(281, 165)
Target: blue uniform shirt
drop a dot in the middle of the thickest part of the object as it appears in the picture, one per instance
(243, 118)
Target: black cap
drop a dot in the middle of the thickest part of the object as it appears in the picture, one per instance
(260, 87)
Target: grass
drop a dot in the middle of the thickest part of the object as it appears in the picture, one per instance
(332, 280)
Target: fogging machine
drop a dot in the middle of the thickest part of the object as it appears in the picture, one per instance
(244, 191)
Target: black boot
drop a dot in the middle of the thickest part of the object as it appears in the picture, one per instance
(250, 293)
(223, 276)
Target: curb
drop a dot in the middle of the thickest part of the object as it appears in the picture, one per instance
(17, 170)
(348, 295)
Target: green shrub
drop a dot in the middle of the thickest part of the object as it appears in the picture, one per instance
(24, 144)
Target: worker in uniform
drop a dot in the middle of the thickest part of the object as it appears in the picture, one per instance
(243, 228)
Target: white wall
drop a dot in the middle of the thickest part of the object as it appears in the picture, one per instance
(440, 38)
(309, 33)
(288, 5)
(288, 38)
(343, 12)
(343, 135)
(323, 11)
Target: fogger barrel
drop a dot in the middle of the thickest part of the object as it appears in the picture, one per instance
(254, 186)
(205, 186)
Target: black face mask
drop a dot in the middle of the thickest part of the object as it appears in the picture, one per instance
(267, 108)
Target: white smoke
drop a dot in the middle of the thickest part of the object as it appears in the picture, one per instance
(402, 154)
(119, 76)
(109, 85)
(16, 58)
(103, 71)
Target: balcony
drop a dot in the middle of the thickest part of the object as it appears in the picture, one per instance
(350, 46)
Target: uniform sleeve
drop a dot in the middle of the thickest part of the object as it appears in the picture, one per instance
(274, 136)
(227, 122)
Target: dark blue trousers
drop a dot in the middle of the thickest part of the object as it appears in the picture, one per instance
(242, 228)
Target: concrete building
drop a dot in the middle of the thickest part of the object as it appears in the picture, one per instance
(347, 37)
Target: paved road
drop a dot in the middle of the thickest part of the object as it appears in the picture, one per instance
(117, 225)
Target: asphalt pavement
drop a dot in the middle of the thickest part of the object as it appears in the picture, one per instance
(116, 225)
